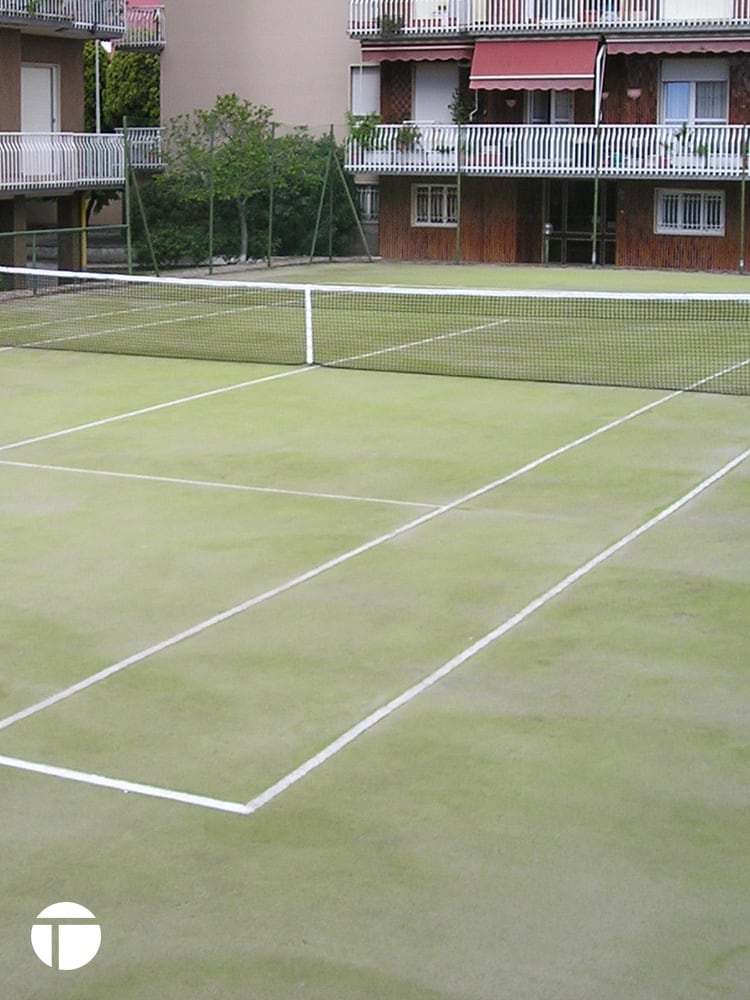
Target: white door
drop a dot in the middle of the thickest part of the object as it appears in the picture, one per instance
(38, 115)
(435, 84)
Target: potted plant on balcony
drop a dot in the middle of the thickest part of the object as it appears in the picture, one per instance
(364, 129)
(408, 137)
(390, 26)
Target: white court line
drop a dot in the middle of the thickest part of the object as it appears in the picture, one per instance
(407, 696)
(282, 588)
(169, 321)
(156, 407)
(153, 791)
(413, 692)
(210, 484)
(417, 343)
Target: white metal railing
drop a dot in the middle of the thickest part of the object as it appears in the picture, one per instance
(144, 145)
(67, 160)
(100, 16)
(391, 19)
(706, 152)
(144, 28)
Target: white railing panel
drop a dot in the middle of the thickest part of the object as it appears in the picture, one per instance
(60, 160)
(703, 152)
(145, 148)
(394, 18)
(144, 28)
(99, 16)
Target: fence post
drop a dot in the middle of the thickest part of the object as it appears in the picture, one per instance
(128, 209)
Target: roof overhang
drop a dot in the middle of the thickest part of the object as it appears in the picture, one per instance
(534, 64)
(684, 46)
(429, 51)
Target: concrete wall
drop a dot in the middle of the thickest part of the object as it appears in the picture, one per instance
(291, 55)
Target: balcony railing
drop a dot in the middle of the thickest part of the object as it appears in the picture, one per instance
(102, 18)
(391, 19)
(60, 161)
(624, 151)
(144, 29)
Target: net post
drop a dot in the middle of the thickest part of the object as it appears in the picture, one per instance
(309, 345)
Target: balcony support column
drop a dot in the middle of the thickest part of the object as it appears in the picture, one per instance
(69, 248)
(13, 220)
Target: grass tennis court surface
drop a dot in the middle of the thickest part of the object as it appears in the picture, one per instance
(419, 688)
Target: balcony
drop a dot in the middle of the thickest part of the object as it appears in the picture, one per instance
(33, 163)
(704, 153)
(144, 29)
(69, 18)
(394, 19)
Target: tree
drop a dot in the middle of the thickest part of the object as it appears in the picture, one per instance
(132, 89)
(225, 151)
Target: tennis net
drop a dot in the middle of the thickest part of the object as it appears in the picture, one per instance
(662, 341)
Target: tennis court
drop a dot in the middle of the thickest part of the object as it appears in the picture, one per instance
(327, 682)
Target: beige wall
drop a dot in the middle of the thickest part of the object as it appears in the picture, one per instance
(291, 55)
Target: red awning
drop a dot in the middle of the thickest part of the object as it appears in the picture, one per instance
(687, 46)
(416, 53)
(529, 64)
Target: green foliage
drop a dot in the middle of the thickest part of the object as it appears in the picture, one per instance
(132, 90)
(364, 129)
(234, 150)
(463, 106)
(224, 150)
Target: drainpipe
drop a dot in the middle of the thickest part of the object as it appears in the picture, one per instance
(601, 56)
(743, 190)
(459, 140)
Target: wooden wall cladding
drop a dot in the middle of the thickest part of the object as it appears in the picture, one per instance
(637, 244)
(491, 211)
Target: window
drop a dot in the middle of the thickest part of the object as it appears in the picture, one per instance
(550, 107)
(368, 201)
(364, 90)
(695, 91)
(696, 213)
(434, 205)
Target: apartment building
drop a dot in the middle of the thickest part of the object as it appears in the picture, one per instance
(292, 56)
(45, 155)
(565, 131)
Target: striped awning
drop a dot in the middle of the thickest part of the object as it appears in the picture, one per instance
(533, 64)
(426, 52)
(685, 46)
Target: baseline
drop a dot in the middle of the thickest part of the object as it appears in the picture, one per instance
(152, 791)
